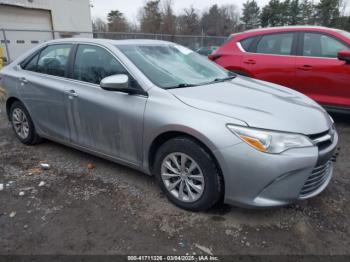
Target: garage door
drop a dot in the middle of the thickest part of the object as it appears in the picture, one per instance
(12, 17)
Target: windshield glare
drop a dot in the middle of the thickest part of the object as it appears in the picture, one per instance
(170, 66)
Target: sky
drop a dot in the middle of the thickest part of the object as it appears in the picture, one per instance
(131, 7)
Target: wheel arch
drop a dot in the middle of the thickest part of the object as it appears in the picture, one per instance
(166, 136)
(9, 103)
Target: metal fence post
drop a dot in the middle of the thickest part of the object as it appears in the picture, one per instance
(6, 46)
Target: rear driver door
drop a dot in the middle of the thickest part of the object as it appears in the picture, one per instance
(42, 86)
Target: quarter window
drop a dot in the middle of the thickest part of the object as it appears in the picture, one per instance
(320, 45)
(246, 43)
(94, 63)
(32, 64)
(276, 44)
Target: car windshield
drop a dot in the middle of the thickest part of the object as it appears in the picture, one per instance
(174, 66)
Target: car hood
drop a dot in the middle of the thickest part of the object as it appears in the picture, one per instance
(259, 104)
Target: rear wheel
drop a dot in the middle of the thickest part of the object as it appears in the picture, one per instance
(188, 174)
(22, 124)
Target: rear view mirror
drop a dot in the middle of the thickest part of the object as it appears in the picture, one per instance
(344, 55)
(115, 83)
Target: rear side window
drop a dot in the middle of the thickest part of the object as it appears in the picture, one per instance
(52, 60)
(247, 43)
(320, 45)
(276, 44)
(93, 63)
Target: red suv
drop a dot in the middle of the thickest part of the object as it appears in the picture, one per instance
(312, 60)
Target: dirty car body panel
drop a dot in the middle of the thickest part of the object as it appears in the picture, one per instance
(124, 127)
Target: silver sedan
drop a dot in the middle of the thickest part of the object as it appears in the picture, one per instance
(204, 133)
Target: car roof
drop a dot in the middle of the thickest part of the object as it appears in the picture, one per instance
(291, 27)
(285, 29)
(112, 42)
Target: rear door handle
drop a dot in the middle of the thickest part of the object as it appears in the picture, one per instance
(249, 62)
(23, 80)
(305, 67)
(71, 93)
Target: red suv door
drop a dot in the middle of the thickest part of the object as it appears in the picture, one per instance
(271, 58)
(319, 74)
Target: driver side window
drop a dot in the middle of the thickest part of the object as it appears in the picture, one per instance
(320, 45)
(93, 63)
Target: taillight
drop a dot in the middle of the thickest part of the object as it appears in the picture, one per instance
(214, 57)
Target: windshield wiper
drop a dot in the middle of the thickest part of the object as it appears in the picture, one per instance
(183, 85)
(218, 80)
(224, 79)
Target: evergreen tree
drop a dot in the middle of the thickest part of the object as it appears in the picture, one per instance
(251, 13)
(327, 12)
(151, 17)
(116, 21)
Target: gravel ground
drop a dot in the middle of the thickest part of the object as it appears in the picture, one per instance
(112, 209)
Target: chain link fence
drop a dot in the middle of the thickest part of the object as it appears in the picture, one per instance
(14, 42)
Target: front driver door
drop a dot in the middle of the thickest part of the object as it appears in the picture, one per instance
(320, 75)
(271, 59)
(107, 122)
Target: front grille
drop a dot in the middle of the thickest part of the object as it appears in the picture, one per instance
(323, 140)
(315, 136)
(317, 178)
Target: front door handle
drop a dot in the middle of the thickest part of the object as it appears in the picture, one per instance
(249, 62)
(305, 67)
(71, 93)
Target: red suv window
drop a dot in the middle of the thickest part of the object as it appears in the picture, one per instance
(321, 45)
(276, 44)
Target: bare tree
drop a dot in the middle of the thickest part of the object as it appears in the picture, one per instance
(168, 25)
(189, 22)
(99, 25)
(230, 19)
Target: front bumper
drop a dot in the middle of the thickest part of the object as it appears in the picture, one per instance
(255, 179)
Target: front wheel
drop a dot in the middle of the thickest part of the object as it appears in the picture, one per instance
(187, 174)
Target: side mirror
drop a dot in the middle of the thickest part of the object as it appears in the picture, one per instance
(344, 55)
(115, 83)
(120, 83)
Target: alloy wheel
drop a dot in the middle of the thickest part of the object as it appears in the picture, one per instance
(182, 177)
(20, 123)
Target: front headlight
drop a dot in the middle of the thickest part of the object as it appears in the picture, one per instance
(270, 141)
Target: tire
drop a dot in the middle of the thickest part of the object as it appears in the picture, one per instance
(30, 137)
(192, 152)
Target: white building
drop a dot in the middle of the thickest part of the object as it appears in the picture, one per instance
(68, 18)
